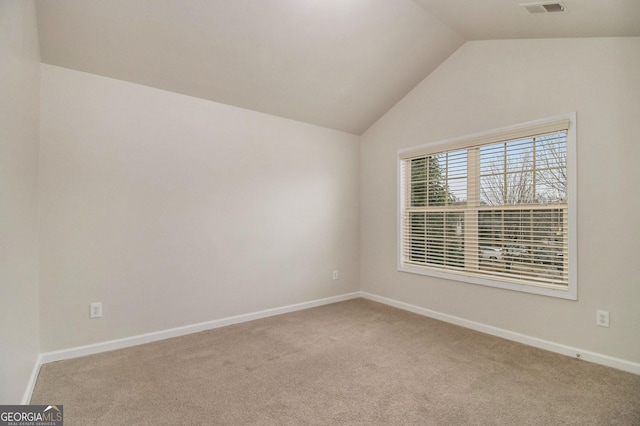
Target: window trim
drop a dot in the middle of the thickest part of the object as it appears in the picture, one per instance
(495, 136)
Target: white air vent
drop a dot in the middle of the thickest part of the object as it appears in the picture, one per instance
(553, 7)
(544, 7)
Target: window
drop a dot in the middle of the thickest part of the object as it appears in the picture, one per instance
(496, 208)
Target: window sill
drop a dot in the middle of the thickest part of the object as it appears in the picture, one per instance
(568, 293)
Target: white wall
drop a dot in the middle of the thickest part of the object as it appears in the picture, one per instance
(19, 98)
(491, 84)
(173, 210)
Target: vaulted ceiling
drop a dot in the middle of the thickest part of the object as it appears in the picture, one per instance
(340, 64)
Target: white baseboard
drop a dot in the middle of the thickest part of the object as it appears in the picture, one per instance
(32, 381)
(609, 361)
(181, 331)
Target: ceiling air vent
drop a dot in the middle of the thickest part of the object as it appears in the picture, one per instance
(544, 7)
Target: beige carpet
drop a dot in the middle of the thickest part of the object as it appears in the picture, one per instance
(350, 363)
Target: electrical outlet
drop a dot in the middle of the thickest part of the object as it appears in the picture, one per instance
(602, 318)
(335, 275)
(95, 310)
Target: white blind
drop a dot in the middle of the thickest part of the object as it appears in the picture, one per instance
(494, 209)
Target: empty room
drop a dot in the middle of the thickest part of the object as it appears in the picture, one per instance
(320, 212)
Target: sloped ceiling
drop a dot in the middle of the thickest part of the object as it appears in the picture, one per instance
(508, 19)
(340, 64)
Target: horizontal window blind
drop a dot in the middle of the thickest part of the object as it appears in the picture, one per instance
(495, 209)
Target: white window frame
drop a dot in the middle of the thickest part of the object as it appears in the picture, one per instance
(494, 136)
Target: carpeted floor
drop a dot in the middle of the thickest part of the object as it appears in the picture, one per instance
(350, 363)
